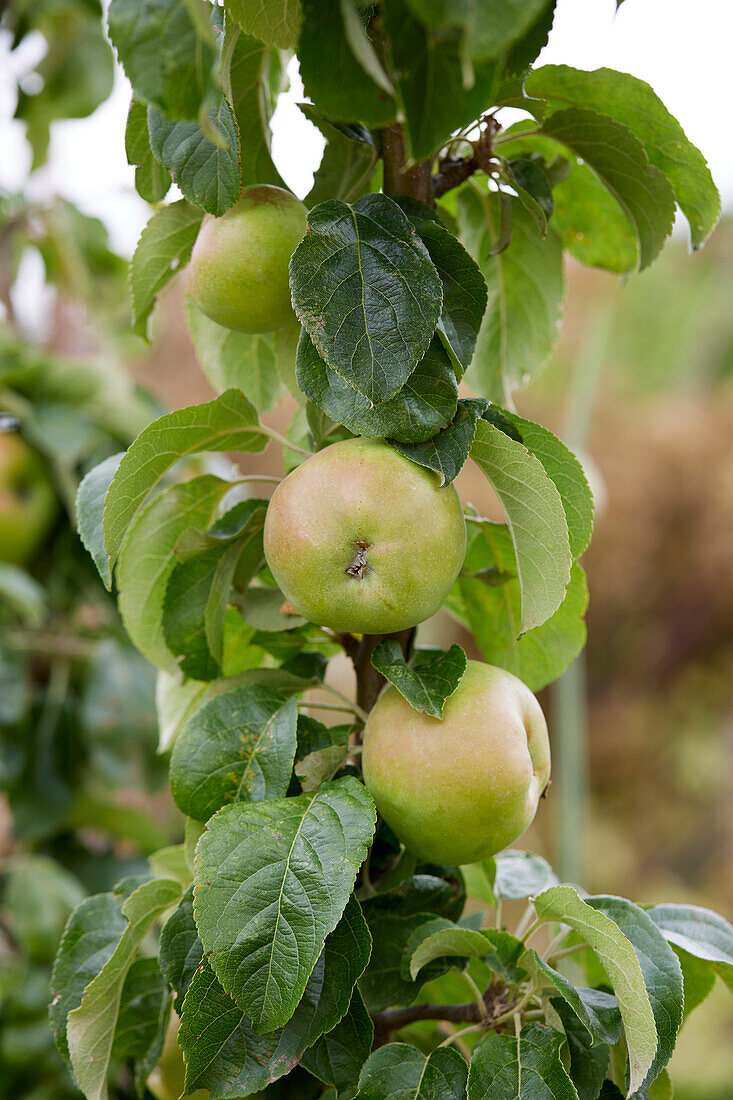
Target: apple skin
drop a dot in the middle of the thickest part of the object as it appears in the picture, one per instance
(238, 274)
(28, 502)
(462, 788)
(360, 500)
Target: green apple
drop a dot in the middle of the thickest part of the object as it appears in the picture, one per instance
(238, 273)
(28, 502)
(360, 539)
(462, 788)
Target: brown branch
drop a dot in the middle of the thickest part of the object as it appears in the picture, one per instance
(452, 171)
(399, 179)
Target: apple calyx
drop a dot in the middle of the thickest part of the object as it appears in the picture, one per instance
(360, 564)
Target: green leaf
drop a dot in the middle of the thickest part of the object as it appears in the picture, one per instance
(526, 289)
(89, 508)
(422, 893)
(246, 63)
(588, 1062)
(171, 862)
(634, 104)
(238, 747)
(400, 1070)
(506, 1067)
(522, 874)
(181, 950)
(597, 1011)
(528, 177)
(187, 594)
(234, 359)
(490, 605)
(168, 55)
(568, 475)
(274, 22)
(431, 75)
(92, 933)
(337, 1058)
(661, 970)
(489, 26)
(430, 678)
(386, 981)
(361, 282)
(500, 950)
(536, 519)
(303, 853)
(698, 978)
(152, 180)
(446, 452)
(464, 289)
(141, 1003)
(425, 403)
(229, 423)
(147, 559)
(39, 895)
(333, 78)
(164, 247)
(223, 1051)
(90, 1027)
(592, 226)
(348, 163)
(207, 172)
(620, 162)
(24, 594)
(701, 932)
(620, 962)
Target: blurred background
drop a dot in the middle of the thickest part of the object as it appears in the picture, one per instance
(641, 384)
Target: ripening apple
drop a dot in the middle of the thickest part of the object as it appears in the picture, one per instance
(360, 539)
(28, 502)
(462, 788)
(238, 274)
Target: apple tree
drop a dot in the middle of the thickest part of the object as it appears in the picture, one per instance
(332, 924)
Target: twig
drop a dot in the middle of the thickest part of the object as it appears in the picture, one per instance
(459, 1034)
(352, 705)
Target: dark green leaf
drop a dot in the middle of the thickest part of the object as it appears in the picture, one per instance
(304, 853)
(698, 978)
(223, 1051)
(337, 1058)
(661, 970)
(425, 403)
(505, 1067)
(490, 27)
(400, 1070)
(431, 76)
(588, 1063)
(526, 291)
(446, 452)
(246, 63)
(141, 1003)
(367, 292)
(499, 950)
(89, 509)
(164, 247)
(332, 76)
(423, 892)
(167, 54)
(208, 174)
(634, 104)
(238, 747)
(181, 950)
(620, 162)
(184, 607)
(527, 175)
(386, 980)
(429, 679)
(464, 289)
